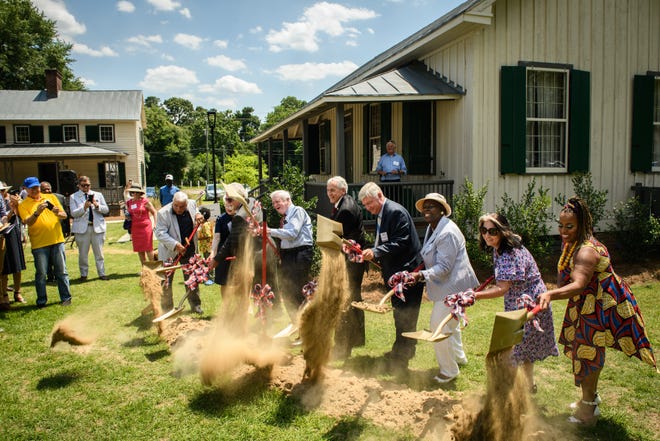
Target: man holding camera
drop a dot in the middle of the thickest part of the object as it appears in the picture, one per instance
(88, 210)
(42, 214)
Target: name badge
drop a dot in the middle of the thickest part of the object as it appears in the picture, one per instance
(133, 206)
(383, 237)
(395, 163)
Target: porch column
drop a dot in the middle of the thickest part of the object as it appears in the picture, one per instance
(260, 168)
(305, 141)
(270, 156)
(339, 141)
(285, 145)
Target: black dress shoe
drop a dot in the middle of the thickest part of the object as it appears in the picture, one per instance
(104, 277)
(83, 278)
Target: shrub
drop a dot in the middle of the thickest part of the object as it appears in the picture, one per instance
(584, 189)
(635, 229)
(468, 207)
(528, 218)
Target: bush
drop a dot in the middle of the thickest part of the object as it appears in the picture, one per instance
(529, 217)
(468, 207)
(635, 229)
(584, 189)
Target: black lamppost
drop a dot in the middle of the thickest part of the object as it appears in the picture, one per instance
(210, 115)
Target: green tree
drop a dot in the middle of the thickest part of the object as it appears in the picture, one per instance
(166, 146)
(467, 209)
(583, 188)
(249, 123)
(180, 111)
(243, 168)
(287, 107)
(29, 45)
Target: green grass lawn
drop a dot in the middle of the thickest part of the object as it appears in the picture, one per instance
(123, 387)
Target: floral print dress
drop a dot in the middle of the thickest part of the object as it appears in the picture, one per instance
(518, 267)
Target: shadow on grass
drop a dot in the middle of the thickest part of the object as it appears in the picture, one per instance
(415, 379)
(349, 428)
(155, 356)
(605, 429)
(213, 401)
(139, 342)
(142, 322)
(57, 381)
(288, 410)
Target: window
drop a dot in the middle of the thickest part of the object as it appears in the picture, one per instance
(70, 133)
(106, 133)
(377, 131)
(417, 147)
(645, 137)
(374, 136)
(545, 117)
(22, 134)
(324, 146)
(656, 127)
(3, 135)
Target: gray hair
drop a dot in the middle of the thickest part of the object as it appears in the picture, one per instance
(180, 196)
(338, 182)
(370, 189)
(281, 194)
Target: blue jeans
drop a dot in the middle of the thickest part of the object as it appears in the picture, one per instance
(42, 258)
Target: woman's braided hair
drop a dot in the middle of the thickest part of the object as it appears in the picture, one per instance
(580, 209)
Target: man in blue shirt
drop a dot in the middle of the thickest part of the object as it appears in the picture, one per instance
(167, 191)
(391, 165)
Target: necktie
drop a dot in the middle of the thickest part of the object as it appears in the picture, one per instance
(334, 211)
(91, 215)
(282, 221)
(377, 231)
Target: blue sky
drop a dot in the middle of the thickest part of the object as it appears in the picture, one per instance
(231, 54)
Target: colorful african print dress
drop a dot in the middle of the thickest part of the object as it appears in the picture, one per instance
(604, 315)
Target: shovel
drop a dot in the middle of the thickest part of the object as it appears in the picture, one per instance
(173, 311)
(438, 335)
(509, 327)
(381, 307)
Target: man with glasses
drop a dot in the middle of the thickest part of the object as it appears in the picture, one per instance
(88, 209)
(42, 214)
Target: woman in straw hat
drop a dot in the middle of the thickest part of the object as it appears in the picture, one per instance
(143, 218)
(14, 259)
(448, 271)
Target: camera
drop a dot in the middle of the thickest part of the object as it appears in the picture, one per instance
(49, 205)
(14, 192)
(90, 197)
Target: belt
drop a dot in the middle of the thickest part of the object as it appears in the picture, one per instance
(296, 249)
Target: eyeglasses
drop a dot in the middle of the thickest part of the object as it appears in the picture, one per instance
(229, 200)
(490, 231)
(85, 185)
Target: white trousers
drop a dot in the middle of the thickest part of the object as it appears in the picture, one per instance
(83, 241)
(449, 351)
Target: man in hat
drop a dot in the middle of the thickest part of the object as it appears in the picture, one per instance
(42, 214)
(167, 191)
(397, 249)
(88, 210)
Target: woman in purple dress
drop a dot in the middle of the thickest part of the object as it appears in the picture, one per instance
(518, 279)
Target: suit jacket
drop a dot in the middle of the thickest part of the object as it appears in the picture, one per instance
(349, 215)
(398, 242)
(168, 233)
(80, 214)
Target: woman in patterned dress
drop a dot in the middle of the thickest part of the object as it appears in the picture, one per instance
(518, 279)
(601, 311)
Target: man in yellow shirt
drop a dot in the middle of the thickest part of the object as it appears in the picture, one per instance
(42, 214)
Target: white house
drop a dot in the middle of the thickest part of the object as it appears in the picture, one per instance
(57, 135)
(501, 92)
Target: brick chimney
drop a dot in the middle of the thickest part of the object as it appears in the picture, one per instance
(53, 83)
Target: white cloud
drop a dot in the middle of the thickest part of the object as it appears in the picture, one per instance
(314, 71)
(87, 82)
(351, 43)
(167, 57)
(105, 51)
(222, 44)
(67, 25)
(185, 12)
(256, 30)
(168, 78)
(232, 84)
(124, 6)
(371, 31)
(187, 40)
(226, 63)
(164, 5)
(145, 40)
(323, 17)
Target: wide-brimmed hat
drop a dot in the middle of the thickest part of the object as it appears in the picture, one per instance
(4, 186)
(437, 197)
(135, 188)
(31, 182)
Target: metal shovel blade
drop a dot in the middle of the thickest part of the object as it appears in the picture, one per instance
(328, 233)
(508, 329)
(287, 332)
(434, 336)
(167, 315)
(378, 308)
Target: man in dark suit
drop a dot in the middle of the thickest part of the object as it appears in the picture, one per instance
(345, 210)
(397, 249)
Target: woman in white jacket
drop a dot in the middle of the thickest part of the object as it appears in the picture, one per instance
(448, 270)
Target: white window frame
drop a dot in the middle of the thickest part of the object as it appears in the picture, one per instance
(563, 167)
(68, 130)
(22, 138)
(655, 164)
(106, 127)
(375, 123)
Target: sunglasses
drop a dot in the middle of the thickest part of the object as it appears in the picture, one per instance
(85, 185)
(490, 231)
(229, 200)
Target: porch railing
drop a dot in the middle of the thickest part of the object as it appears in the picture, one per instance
(405, 193)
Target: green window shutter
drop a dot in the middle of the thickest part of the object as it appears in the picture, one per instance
(101, 170)
(92, 133)
(36, 134)
(3, 135)
(385, 125)
(512, 119)
(417, 131)
(55, 134)
(122, 173)
(642, 124)
(579, 124)
(365, 139)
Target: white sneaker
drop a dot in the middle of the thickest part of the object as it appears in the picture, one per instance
(462, 361)
(443, 379)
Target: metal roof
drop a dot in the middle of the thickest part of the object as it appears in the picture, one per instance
(23, 151)
(410, 81)
(30, 105)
